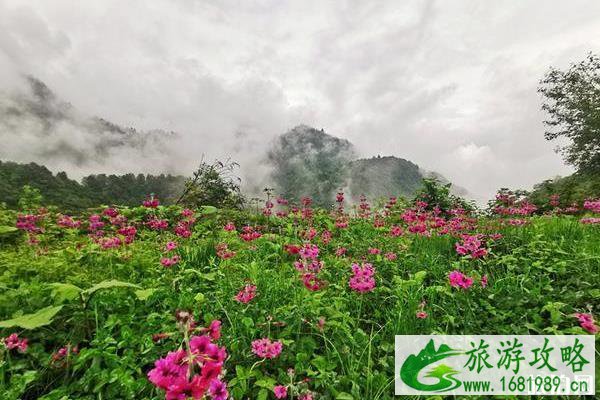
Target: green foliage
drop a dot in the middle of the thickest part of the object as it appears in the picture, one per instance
(438, 195)
(571, 189)
(308, 162)
(32, 321)
(572, 99)
(113, 301)
(213, 185)
(22, 184)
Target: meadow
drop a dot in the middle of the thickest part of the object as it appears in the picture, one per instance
(296, 302)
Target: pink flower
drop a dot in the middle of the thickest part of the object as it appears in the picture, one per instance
(362, 280)
(246, 294)
(280, 391)
(396, 231)
(168, 262)
(421, 314)
(214, 330)
(459, 280)
(311, 281)
(309, 251)
(229, 227)
(170, 246)
(391, 256)
(265, 348)
(484, 281)
(586, 321)
(340, 251)
(168, 370)
(13, 342)
(218, 390)
(374, 250)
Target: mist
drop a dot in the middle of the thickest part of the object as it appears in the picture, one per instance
(450, 87)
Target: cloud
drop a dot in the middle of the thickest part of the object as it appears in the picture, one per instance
(450, 86)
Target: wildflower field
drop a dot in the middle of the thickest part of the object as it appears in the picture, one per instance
(293, 302)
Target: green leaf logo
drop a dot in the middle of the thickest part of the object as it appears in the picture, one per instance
(409, 372)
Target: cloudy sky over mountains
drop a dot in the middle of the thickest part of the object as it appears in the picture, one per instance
(450, 86)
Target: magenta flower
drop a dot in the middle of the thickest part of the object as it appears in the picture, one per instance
(265, 348)
(362, 280)
(280, 391)
(421, 314)
(246, 294)
(459, 280)
(218, 390)
(586, 321)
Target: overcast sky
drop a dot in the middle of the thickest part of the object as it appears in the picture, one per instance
(449, 85)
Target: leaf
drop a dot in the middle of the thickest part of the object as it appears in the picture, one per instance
(31, 321)
(344, 396)
(7, 230)
(144, 294)
(64, 291)
(262, 394)
(108, 285)
(199, 298)
(266, 383)
(420, 276)
(206, 210)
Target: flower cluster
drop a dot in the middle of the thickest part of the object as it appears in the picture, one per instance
(14, 342)
(193, 372)
(586, 321)
(168, 262)
(471, 245)
(459, 280)
(362, 279)
(592, 205)
(246, 294)
(249, 234)
(61, 357)
(28, 222)
(151, 202)
(65, 221)
(265, 348)
(224, 252)
(590, 221)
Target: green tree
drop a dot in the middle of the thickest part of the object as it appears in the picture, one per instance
(213, 185)
(572, 100)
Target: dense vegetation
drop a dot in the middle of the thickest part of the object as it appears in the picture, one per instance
(100, 298)
(94, 190)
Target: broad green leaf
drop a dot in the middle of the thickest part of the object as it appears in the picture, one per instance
(31, 321)
(206, 210)
(7, 230)
(108, 285)
(64, 291)
(344, 396)
(144, 294)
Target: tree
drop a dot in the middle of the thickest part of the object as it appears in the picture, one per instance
(572, 101)
(213, 185)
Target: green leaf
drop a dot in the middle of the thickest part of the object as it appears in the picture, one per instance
(344, 396)
(266, 383)
(7, 230)
(199, 298)
(31, 321)
(64, 291)
(262, 394)
(420, 276)
(206, 210)
(144, 294)
(108, 285)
